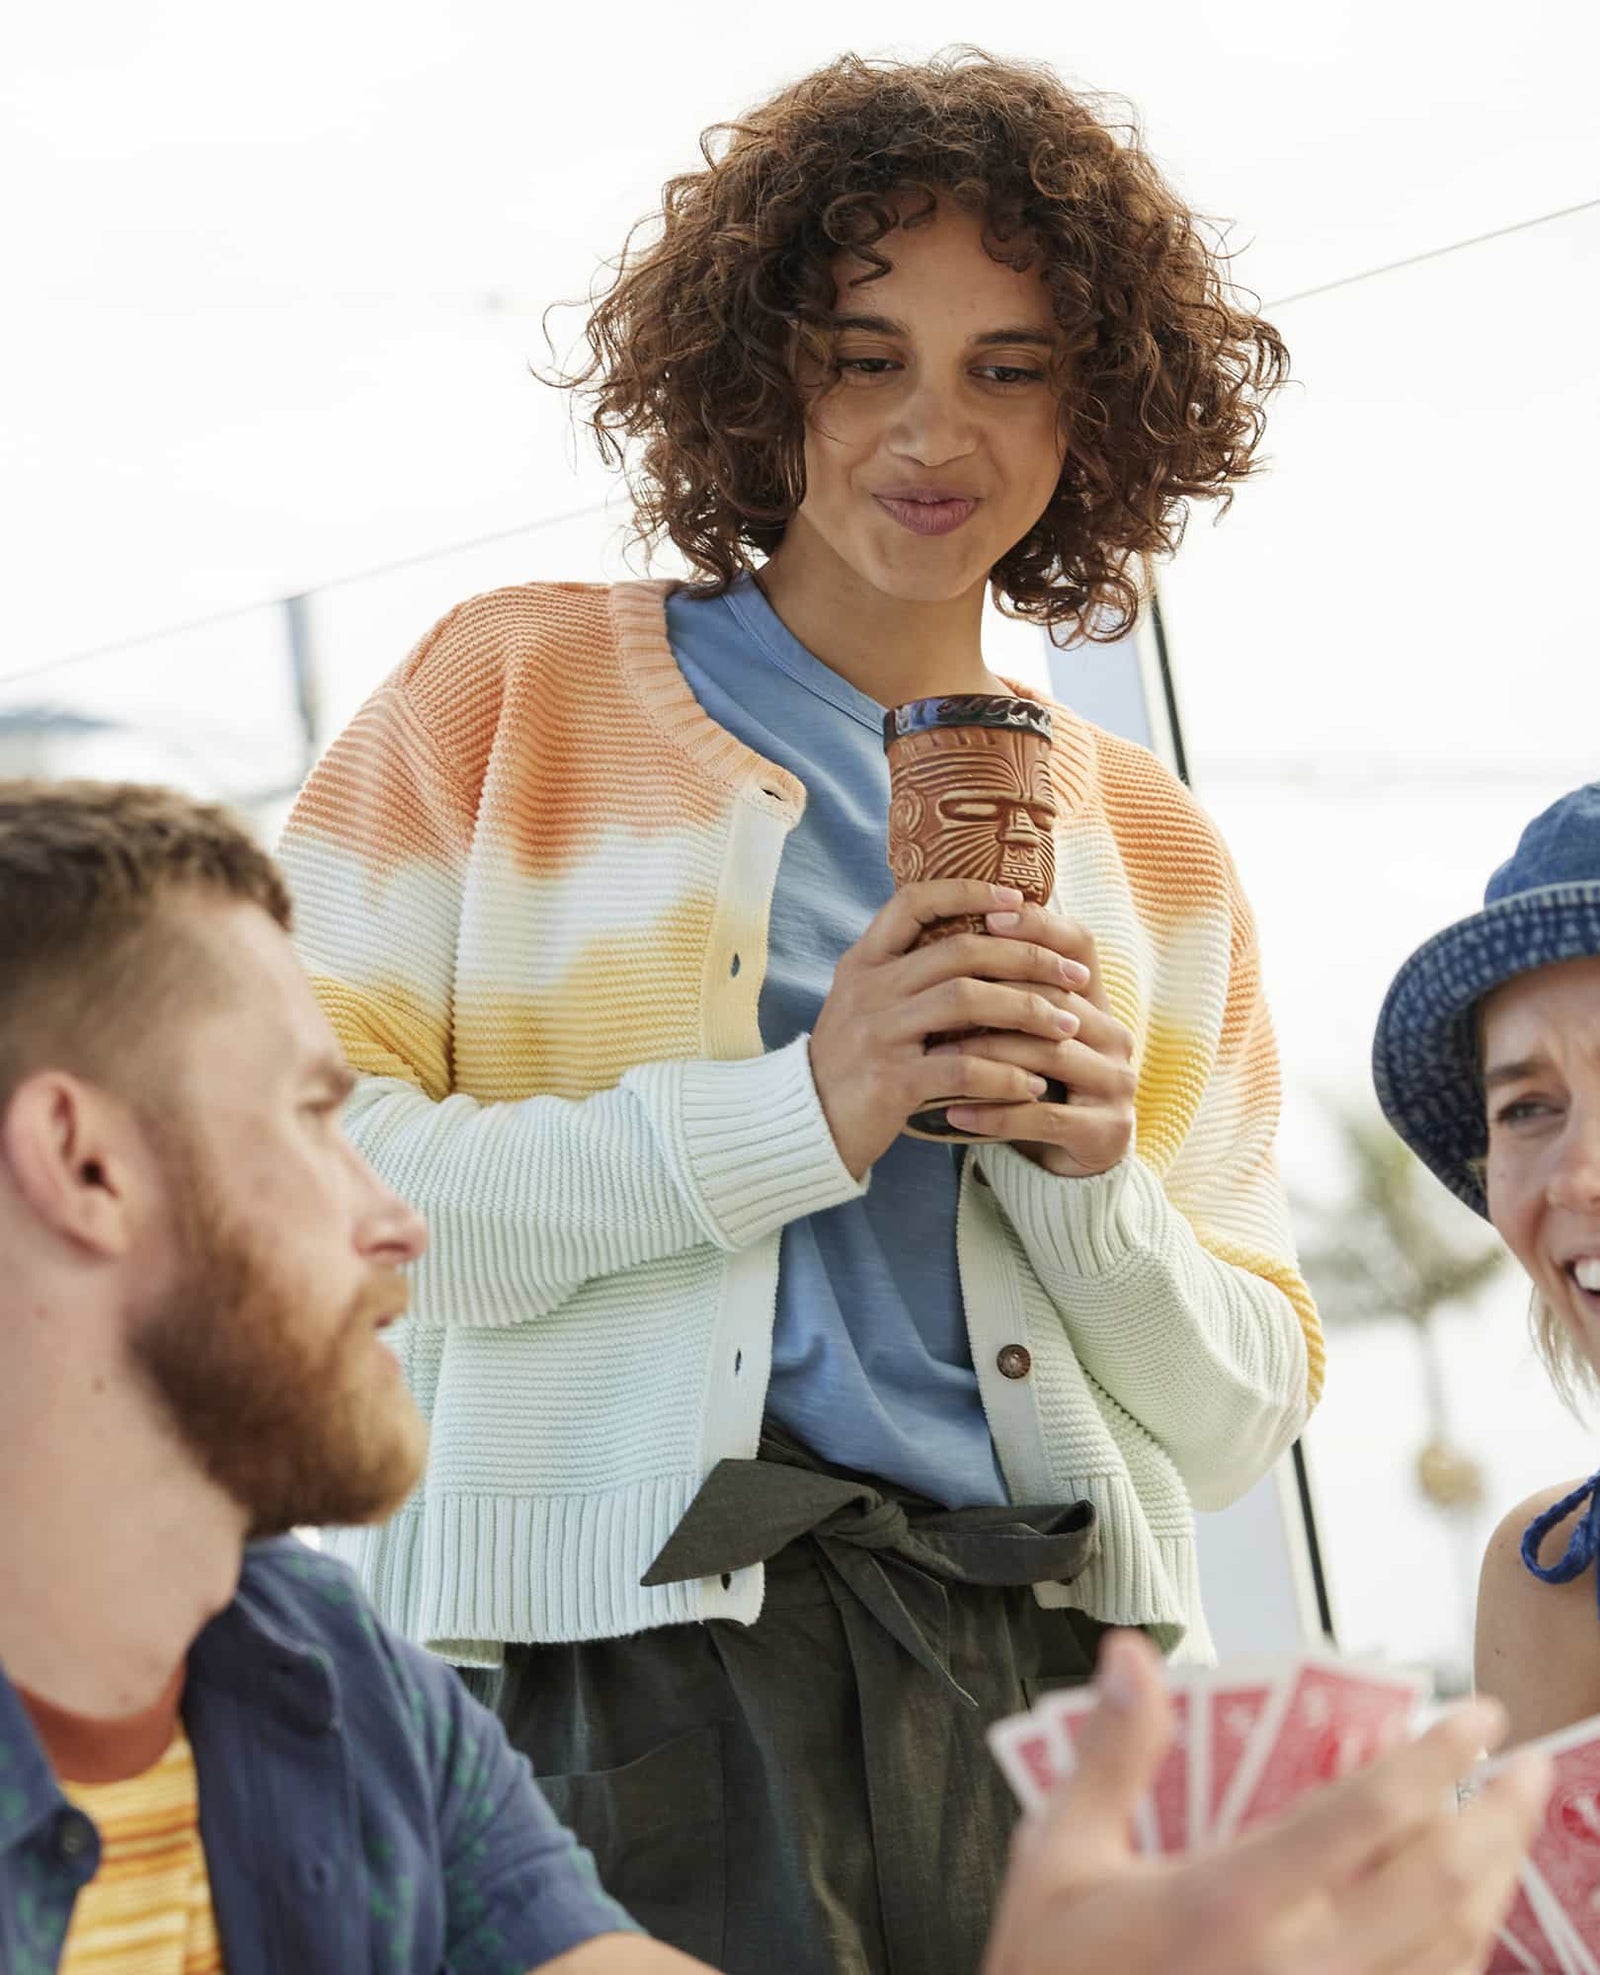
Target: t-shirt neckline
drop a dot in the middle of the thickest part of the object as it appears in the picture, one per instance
(747, 602)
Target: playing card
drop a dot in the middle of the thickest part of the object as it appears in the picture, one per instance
(1566, 1852)
(1027, 1750)
(1232, 1701)
(1169, 1794)
(1527, 1945)
(1064, 1712)
(1327, 1720)
(1511, 1958)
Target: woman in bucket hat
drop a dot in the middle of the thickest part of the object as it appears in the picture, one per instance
(1487, 1063)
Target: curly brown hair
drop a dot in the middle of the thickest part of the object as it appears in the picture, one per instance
(691, 374)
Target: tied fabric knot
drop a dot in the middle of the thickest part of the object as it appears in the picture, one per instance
(896, 1563)
(1583, 1544)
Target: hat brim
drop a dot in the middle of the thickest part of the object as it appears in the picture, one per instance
(1425, 1052)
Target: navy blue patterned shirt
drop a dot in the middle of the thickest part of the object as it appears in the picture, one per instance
(359, 1811)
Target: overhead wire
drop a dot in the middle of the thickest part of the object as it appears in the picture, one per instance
(235, 611)
(1434, 253)
(231, 615)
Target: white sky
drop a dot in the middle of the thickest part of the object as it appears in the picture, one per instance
(275, 278)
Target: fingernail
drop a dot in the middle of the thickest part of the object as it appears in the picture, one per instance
(1114, 1683)
(1005, 894)
(1074, 970)
(1037, 1086)
(1064, 1020)
(1000, 922)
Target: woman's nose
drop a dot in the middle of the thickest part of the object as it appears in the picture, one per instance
(1575, 1182)
(930, 426)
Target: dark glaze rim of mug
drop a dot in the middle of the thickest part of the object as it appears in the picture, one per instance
(1003, 710)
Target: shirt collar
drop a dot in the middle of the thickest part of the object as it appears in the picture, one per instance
(29, 1793)
(243, 1652)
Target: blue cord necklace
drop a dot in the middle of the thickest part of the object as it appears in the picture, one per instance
(1582, 1546)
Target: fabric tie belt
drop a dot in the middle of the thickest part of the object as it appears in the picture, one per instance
(893, 1552)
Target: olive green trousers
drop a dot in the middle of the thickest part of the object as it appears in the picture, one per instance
(811, 1794)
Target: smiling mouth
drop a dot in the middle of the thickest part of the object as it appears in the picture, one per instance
(939, 516)
(1584, 1274)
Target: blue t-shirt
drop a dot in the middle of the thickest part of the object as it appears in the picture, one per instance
(871, 1364)
(358, 1809)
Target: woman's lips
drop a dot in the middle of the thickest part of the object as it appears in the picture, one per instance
(936, 517)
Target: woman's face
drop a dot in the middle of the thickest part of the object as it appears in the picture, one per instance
(1541, 1072)
(936, 442)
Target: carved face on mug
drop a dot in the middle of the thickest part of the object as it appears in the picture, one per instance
(973, 802)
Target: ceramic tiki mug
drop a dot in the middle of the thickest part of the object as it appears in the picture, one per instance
(970, 796)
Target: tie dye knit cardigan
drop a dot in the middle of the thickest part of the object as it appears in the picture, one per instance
(532, 881)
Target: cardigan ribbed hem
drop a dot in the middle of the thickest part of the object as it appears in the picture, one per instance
(444, 1574)
(750, 1138)
(1136, 1577)
(440, 1570)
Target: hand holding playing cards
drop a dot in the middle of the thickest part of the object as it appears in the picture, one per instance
(1371, 1875)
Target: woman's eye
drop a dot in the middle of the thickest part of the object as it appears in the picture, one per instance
(1011, 373)
(1520, 1110)
(864, 366)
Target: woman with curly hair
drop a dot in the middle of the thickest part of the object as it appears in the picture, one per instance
(775, 1452)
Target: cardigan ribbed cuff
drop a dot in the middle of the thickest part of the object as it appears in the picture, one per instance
(1083, 1227)
(750, 1138)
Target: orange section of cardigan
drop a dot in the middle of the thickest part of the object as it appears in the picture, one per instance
(147, 1910)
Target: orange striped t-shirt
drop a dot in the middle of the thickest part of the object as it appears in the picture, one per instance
(147, 1910)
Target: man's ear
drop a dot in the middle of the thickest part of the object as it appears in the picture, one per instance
(72, 1152)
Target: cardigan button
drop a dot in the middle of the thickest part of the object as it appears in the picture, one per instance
(1014, 1361)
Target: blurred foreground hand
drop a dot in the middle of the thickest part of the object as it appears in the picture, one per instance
(1378, 1873)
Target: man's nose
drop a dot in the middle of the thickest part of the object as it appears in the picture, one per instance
(392, 1230)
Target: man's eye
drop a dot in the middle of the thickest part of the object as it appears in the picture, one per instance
(969, 809)
(1011, 373)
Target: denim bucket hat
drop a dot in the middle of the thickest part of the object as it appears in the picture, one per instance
(1541, 906)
